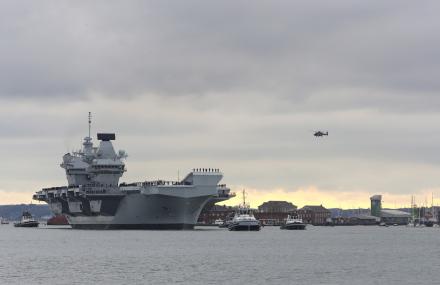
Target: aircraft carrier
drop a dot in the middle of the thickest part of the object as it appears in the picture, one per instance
(94, 199)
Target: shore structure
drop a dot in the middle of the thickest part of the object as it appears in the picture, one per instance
(386, 216)
(315, 215)
(276, 207)
(274, 213)
(376, 205)
(211, 213)
(94, 199)
(271, 213)
(394, 217)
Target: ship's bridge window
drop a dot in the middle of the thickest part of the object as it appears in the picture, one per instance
(109, 166)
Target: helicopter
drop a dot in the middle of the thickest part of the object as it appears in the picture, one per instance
(320, 134)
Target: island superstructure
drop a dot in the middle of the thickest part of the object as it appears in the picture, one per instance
(94, 199)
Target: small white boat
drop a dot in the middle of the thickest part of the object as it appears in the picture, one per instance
(244, 220)
(293, 223)
(27, 221)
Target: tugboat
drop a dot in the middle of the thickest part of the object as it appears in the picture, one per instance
(293, 223)
(244, 220)
(27, 221)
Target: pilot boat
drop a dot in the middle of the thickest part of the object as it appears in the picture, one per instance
(293, 223)
(27, 221)
(244, 219)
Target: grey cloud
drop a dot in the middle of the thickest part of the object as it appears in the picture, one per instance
(284, 49)
(237, 85)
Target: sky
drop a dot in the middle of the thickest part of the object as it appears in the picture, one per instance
(235, 85)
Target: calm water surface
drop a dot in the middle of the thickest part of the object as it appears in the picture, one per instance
(318, 255)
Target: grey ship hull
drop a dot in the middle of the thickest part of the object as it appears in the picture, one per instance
(138, 211)
(133, 227)
(147, 205)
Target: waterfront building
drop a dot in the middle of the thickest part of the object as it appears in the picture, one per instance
(315, 215)
(272, 218)
(346, 213)
(276, 207)
(215, 212)
(376, 205)
(361, 220)
(274, 213)
(395, 217)
(270, 213)
(389, 217)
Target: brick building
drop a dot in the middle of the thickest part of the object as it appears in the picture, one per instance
(269, 213)
(274, 212)
(315, 215)
(271, 219)
(276, 207)
(209, 215)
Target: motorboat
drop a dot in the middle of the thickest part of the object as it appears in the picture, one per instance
(293, 223)
(244, 220)
(27, 221)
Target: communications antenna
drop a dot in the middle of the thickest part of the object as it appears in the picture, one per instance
(90, 122)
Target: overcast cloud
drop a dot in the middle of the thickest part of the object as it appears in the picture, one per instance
(239, 85)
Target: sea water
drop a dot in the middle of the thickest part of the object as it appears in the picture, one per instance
(209, 255)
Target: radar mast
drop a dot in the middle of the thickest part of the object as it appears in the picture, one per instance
(90, 122)
(88, 145)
